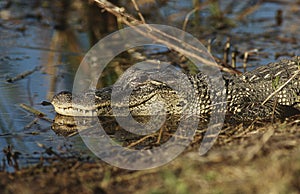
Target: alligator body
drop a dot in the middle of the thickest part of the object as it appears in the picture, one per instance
(269, 91)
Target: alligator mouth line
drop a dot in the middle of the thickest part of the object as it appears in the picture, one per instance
(72, 111)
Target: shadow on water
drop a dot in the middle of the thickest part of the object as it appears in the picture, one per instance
(52, 37)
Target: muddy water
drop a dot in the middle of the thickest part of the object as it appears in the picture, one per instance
(29, 41)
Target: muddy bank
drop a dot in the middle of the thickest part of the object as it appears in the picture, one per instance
(244, 160)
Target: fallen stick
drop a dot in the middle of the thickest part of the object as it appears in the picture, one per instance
(22, 75)
(32, 110)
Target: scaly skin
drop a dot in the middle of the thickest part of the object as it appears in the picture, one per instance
(245, 96)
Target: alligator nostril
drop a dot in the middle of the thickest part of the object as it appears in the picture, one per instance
(46, 103)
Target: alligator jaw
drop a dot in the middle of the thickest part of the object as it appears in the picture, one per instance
(71, 111)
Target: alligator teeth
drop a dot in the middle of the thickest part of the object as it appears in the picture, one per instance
(75, 111)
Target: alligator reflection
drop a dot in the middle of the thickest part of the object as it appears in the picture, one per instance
(107, 125)
(68, 125)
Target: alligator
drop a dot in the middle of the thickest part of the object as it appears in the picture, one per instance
(269, 91)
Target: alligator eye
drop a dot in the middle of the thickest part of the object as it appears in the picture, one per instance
(64, 93)
(62, 97)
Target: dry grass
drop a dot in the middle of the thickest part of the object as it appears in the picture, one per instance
(260, 159)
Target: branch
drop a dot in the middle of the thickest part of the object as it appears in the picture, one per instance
(131, 21)
(280, 88)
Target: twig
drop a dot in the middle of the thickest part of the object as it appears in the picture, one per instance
(226, 50)
(282, 86)
(46, 119)
(136, 7)
(160, 135)
(32, 110)
(73, 134)
(248, 11)
(29, 92)
(29, 125)
(49, 151)
(22, 75)
(187, 17)
(140, 140)
(233, 59)
(132, 22)
(245, 60)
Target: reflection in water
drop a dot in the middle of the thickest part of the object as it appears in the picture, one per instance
(107, 125)
(61, 39)
(58, 52)
(65, 38)
(67, 125)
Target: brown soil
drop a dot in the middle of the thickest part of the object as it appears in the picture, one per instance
(264, 159)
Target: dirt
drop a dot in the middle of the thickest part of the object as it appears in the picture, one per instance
(260, 159)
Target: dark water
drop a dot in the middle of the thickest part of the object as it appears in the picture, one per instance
(29, 40)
